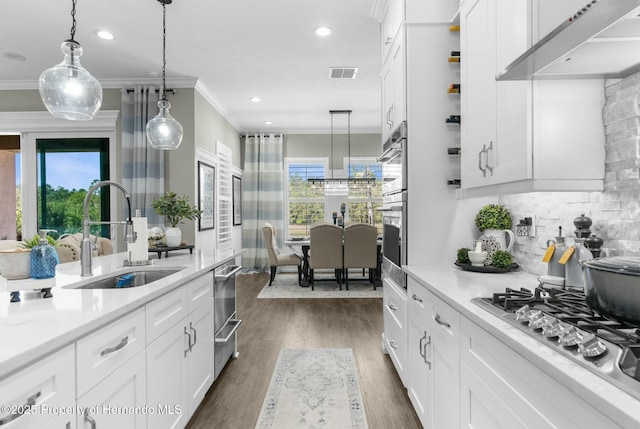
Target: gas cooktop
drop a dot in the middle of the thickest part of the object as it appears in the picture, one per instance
(562, 320)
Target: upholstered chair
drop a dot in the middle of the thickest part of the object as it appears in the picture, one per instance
(326, 250)
(68, 247)
(360, 250)
(277, 259)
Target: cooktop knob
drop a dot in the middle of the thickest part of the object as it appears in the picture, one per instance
(570, 337)
(543, 322)
(534, 317)
(591, 346)
(552, 330)
(521, 314)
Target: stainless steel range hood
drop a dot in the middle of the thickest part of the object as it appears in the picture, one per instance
(600, 40)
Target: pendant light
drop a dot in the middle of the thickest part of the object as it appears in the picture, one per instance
(163, 131)
(68, 90)
(342, 186)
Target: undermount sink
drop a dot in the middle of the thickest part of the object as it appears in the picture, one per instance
(127, 279)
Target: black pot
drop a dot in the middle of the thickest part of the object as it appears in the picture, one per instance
(612, 287)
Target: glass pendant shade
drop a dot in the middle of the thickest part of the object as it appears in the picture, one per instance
(163, 131)
(68, 90)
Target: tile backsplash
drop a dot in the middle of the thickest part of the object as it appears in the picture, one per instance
(615, 212)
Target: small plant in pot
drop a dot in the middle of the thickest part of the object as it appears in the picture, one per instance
(175, 208)
(495, 220)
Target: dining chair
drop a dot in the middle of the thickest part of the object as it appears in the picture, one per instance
(68, 246)
(360, 250)
(277, 259)
(326, 250)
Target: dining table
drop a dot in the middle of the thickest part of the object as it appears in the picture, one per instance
(304, 243)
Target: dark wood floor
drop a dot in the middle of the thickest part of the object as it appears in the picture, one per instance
(235, 399)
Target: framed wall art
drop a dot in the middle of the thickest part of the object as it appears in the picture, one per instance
(206, 192)
(237, 200)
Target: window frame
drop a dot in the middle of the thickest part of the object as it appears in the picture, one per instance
(324, 161)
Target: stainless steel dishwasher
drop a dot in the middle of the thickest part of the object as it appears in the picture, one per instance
(224, 315)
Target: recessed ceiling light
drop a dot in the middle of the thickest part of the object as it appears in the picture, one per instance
(104, 34)
(268, 122)
(322, 31)
(255, 99)
(13, 56)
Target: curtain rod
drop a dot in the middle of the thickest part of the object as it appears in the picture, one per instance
(171, 90)
(270, 134)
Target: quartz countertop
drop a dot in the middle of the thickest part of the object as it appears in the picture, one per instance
(457, 287)
(35, 327)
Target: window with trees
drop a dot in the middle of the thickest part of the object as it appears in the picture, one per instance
(307, 205)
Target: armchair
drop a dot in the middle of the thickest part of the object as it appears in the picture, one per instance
(326, 250)
(277, 259)
(360, 250)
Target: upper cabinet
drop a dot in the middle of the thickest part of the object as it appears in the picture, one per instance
(393, 87)
(522, 136)
(392, 17)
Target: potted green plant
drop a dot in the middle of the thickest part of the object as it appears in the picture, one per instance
(175, 208)
(495, 220)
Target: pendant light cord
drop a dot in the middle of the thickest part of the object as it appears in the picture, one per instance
(164, 49)
(331, 145)
(73, 22)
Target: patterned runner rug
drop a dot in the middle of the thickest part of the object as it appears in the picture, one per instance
(286, 286)
(313, 389)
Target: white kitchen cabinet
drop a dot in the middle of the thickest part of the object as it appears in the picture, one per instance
(118, 401)
(62, 421)
(500, 389)
(521, 136)
(392, 17)
(434, 353)
(34, 392)
(393, 87)
(183, 354)
(395, 326)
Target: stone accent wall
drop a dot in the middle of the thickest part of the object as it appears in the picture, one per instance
(615, 211)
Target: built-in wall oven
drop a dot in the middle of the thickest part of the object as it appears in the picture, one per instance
(394, 206)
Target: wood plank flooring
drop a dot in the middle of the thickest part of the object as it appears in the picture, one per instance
(235, 399)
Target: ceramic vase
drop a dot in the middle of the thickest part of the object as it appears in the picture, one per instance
(501, 237)
(173, 237)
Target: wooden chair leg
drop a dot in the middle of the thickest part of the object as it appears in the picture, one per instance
(311, 278)
(346, 279)
(273, 274)
(299, 275)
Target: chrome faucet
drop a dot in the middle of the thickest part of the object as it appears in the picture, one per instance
(85, 245)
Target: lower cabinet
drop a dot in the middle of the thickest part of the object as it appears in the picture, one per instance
(433, 358)
(395, 326)
(500, 389)
(180, 368)
(34, 394)
(118, 401)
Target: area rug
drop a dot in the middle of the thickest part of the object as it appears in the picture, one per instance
(286, 286)
(313, 389)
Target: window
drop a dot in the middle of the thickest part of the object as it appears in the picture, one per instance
(306, 205)
(66, 170)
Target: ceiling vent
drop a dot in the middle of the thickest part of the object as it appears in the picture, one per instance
(343, 72)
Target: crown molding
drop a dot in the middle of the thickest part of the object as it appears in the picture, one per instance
(105, 120)
(211, 98)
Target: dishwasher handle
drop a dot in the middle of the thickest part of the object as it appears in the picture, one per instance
(236, 323)
(230, 274)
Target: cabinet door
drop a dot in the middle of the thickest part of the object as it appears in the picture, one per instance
(200, 358)
(419, 383)
(386, 79)
(167, 378)
(478, 90)
(399, 109)
(109, 404)
(62, 422)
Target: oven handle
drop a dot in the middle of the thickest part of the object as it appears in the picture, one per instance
(233, 331)
(229, 274)
(393, 152)
(390, 209)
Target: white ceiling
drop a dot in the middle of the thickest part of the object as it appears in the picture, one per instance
(236, 49)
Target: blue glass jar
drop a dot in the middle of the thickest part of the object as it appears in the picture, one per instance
(44, 259)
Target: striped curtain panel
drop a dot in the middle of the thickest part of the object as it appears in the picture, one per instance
(142, 166)
(262, 196)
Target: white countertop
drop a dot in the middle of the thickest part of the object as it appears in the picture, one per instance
(456, 287)
(35, 327)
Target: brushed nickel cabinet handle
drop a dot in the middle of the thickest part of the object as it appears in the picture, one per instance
(195, 335)
(393, 344)
(89, 419)
(425, 351)
(123, 342)
(441, 322)
(188, 334)
(392, 307)
(20, 410)
(416, 298)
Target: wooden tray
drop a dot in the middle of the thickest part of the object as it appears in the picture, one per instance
(487, 268)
